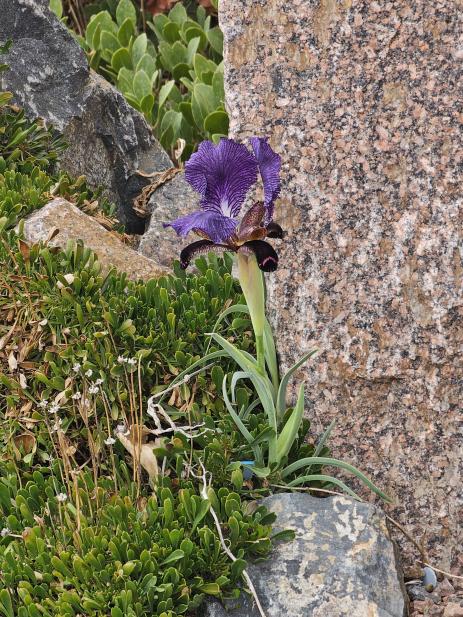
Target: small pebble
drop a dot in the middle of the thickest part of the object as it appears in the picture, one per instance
(429, 579)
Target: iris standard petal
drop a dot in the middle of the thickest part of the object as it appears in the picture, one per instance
(216, 226)
(222, 174)
(269, 163)
(201, 247)
(267, 258)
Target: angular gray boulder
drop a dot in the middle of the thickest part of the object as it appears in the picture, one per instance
(109, 141)
(341, 564)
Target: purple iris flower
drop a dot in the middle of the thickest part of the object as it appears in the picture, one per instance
(223, 174)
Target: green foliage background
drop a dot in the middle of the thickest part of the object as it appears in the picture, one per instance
(171, 71)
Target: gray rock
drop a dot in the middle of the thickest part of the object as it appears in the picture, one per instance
(173, 199)
(418, 592)
(109, 141)
(48, 69)
(341, 564)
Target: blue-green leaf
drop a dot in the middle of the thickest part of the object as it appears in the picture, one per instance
(291, 428)
(281, 396)
(125, 10)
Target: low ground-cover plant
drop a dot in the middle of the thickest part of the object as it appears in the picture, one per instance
(65, 327)
(172, 72)
(99, 552)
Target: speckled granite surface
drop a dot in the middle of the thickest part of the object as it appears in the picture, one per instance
(363, 101)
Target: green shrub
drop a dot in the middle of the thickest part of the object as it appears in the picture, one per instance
(99, 553)
(175, 80)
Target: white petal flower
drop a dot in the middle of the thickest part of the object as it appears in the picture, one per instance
(76, 367)
(5, 532)
(121, 359)
(110, 441)
(54, 408)
(93, 389)
(61, 497)
(43, 404)
(89, 373)
(132, 361)
(77, 396)
(98, 382)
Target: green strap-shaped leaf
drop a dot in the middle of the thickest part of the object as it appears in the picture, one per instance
(291, 428)
(319, 477)
(324, 439)
(281, 397)
(321, 460)
(271, 355)
(237, 420)
(261, 383)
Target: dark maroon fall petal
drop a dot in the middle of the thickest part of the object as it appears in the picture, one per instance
(267, 258)
(201, 247)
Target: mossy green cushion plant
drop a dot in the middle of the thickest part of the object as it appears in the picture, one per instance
(99, 552)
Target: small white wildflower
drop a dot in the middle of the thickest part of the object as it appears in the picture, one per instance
(76, 367)
(98, 382)
(77, 396)
(43, 403)
(132, 361)
(89, 373)
(5, 532)
(61, 497)
(54, 408)
(93, 389)
(110, 441)
(121, 359)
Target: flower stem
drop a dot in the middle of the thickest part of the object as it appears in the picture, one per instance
(252, 284)
(260, 353)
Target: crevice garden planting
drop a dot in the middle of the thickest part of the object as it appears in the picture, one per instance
(141, 422)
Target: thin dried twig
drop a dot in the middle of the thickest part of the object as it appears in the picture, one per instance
(155, 410)
(140, 203)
